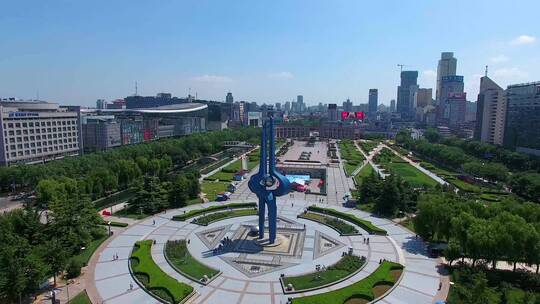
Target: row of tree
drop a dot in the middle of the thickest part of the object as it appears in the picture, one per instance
(503, 231)
(450, 153)
(161, 155)
(514, 160)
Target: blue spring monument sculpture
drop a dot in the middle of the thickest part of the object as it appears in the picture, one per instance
(268, 183)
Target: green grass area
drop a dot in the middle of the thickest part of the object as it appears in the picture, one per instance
(179, 256)
(367, 207)
(81, 298)
(153, 278)
(212, 188)
(227, 173)
(409, 224)
(197, 212)
(366, 225)
(339, 225)
(351, 156)
(115, 198)
(347, 265)
(218, 216)
(363, 291)
(84, 256)
(131, 213)
(215, 165)
(364, 172)
(413, 176)
(368, 145)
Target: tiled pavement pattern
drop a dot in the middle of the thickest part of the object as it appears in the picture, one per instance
(419, 283)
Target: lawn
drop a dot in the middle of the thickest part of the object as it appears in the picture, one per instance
(369, 145)
(179, 256)
(353, 158)
(363, 291)
(344, 267)
(81, 298)
(366, 225)
(364, 172)
(218, 216)
(153, 278)
(227, 173)
(339, 225)
(85, 255)
(131, 213)
(413, 176)
(212, 188)
(197, 212)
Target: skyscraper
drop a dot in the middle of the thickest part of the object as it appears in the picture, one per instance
(522, 129)
(300, 103)
(450, 85)
(447, 67)
(373, 101)
(490, 112)
(392, 105)
(229, 98)
(332, 112)
(406, 92)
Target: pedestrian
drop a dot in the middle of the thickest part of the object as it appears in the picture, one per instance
(188, 241)
(440, 285)
(153, 222)
(368, 241)
(130, 285)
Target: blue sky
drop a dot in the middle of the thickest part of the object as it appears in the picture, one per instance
(74, 52)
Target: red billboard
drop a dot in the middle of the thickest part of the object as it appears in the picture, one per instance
(352, 115)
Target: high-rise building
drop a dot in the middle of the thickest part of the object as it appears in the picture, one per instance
(423, 97)
(347, 105)
(37, 131)
(457, 107)
(101, 104)
(287, 106)
(278, 106)
(229, 98)
(300, 107)
(373, 101)
(450, 85)
(490, 112)
(392, 105)
(332, 112)
(405, 94)
(522, 129)
(100, 132)
(447, 67)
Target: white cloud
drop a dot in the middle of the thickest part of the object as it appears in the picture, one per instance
(499, 59)
(212, 78)
(281, 75)
(510, 73)
(523, 39)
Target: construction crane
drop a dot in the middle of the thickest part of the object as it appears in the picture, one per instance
(401, 67)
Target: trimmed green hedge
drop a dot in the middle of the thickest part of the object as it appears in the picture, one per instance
(337, 224)
(366, 225)
(114, 224)
(218, 216)
(362, 289)
(193, 213)
(153, 278)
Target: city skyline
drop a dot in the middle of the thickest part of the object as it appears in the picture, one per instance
(75, 53)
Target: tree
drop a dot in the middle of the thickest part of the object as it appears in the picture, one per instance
(452, 252)
(388, 201)
(432, 135)
(178, 194)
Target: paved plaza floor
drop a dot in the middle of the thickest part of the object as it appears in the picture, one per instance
(419, 283)
(253, 277)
